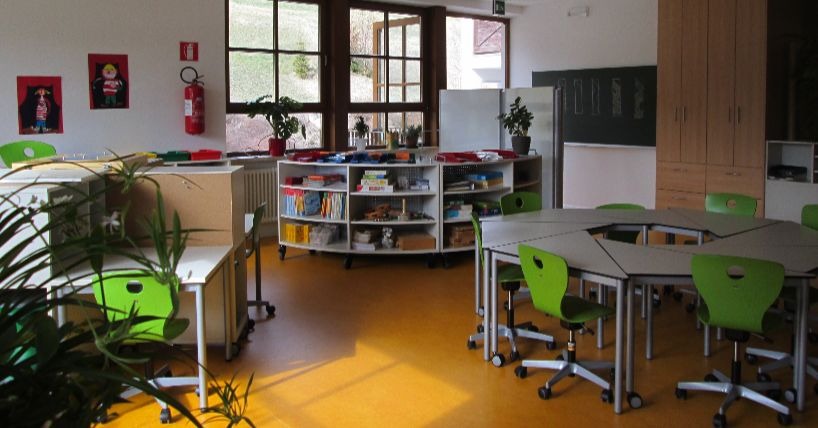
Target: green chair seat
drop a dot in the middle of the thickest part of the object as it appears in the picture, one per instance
(770, 322)
(730, 203)
(578, 310)
(510, 273)
(20, 151)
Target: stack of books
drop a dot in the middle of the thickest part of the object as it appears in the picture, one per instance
(298, 202)
(324, 180)
(486, 179)
(456, 186)
(333, 205)
(376, 180)
(457, 210)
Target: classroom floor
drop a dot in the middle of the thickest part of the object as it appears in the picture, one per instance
(384, 344)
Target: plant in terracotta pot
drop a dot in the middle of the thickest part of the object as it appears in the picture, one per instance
(412, 134)
(517, 121)
(277, 114)
(361, 132)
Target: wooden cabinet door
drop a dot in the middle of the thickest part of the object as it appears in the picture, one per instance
(751, 77)
(721, 66)
(669, 81)
(694, 81)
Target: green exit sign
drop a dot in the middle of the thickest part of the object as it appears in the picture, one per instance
(499, 7)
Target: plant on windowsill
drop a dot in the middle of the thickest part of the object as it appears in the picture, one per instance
(412, 135)
(71, 374)
(516, 122)
(361, 131)
(277, 114)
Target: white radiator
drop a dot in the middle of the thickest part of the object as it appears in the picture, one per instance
(260, 186)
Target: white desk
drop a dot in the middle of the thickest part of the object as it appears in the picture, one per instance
(196, 268)
(617, 264)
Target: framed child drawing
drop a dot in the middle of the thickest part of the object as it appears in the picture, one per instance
(39, 104)
(108, 81)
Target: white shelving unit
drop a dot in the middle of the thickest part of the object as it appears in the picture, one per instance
(784, 197)
(518, 174)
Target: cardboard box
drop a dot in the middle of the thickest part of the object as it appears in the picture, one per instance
(416, 241)
(461, 236)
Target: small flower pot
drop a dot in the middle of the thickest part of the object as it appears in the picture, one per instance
(277, 146)
(411, 142)
(360, 143)
(520, 145)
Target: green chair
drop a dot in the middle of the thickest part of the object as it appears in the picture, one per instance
(809, 218)
(547, 278)
(509, 277)
(255, 248)
(118, 293)
(730, 203)
(20, 151)
(736, 295)
(520, 202)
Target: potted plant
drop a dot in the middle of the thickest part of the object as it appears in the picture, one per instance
(517, 121)
(392, 139)
(277, 114)
(412, 134)
(361, 132)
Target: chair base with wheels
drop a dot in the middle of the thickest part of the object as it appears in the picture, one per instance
(255, 249)
(735, 389)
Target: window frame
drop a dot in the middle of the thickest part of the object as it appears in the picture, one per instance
(506, 48)
(322, 107)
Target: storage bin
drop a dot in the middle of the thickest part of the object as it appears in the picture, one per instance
(175, 156)
(206, 154)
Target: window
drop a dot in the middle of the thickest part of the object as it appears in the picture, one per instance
(274, 47)
(475, 52)
(385, 69)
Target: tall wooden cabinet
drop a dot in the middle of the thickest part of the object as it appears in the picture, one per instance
(712, 57)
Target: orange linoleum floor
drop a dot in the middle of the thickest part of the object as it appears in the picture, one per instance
(384, 345)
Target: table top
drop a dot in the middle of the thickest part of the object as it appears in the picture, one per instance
(723, 225)
(502, 233)
(785, 233)
(46, 176)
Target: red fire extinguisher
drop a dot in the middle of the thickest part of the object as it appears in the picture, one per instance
(194, 103)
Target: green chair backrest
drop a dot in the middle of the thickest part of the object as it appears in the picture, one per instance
(520, 202)
(730, 203)
(19, 151)
(809, 216)
(737, 291)
(257, 214)
(478, 236)
(547, 277)
(149, 297)
(620, 236)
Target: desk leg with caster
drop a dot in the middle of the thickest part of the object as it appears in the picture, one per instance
(201, 345)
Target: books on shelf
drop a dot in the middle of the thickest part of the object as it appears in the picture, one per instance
(376, 180)
(367, 188)
(302, 203)
(333, 205)
(459, 185)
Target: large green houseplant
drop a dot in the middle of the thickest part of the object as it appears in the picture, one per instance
(71, 374)
(516, 122)
(277, 115)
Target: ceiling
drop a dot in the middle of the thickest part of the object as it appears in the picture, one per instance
(482, 7)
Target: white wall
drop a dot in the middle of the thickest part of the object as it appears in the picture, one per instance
(616, 33)
(54, 38)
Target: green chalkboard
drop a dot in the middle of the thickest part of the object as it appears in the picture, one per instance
(606, 105)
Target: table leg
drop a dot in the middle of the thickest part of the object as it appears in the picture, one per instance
(802, 314)
(649, 326)
(227, 271)
(631, 335)
(486, 312)
(201, 345)
(493, 303)
(620, 336)
(706, 340)
(600, 323)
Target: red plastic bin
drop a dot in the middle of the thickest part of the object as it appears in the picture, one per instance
(206, 154)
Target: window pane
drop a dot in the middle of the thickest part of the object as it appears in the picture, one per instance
(410, 37)
(366, 32)
(245, 134)
(413, 71)
(396, 71)
(298, 26)
(251, 76)
(395, 40)
(395, 94)
(251, 24)
(300, 77)
(366, 80)
(475, 53)
(413, 94)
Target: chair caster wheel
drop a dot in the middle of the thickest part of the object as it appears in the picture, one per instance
(481, 312)
(514, 356)
(784, 419)
(552, 345)
(521, 372)
(677, 296)
(498, 360)
(791, 395)
(164, 416)
(635, 400)
(251, 324)
(471, 344)
(544, 392)
(606, 396)
(750, 358)
(681, 394)
(719, 421)
(763, 377)
(282, 251)
(774, 394)
(271, 310)
(480, 328)
(690, 308)
(710, 378)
